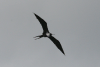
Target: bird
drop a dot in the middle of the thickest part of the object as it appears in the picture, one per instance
(46, 33)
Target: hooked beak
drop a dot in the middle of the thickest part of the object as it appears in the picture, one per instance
(53, 34)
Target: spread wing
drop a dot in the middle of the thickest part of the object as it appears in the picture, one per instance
(57, 43)
(43, 23)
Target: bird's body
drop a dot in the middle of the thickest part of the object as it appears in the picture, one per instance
(46, 33)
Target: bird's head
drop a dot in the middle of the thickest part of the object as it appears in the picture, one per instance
(49, 34)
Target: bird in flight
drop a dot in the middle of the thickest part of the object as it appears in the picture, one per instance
(46, 33)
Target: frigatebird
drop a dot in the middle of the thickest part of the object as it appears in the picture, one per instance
(46, 33)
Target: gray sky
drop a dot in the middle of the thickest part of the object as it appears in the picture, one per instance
(75, 23)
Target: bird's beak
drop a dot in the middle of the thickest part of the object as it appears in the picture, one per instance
(53, 34)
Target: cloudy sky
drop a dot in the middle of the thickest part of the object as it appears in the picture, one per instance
(75, 23)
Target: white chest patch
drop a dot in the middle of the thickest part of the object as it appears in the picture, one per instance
(48, 34)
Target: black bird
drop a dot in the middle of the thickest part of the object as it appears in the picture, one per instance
(46, 33)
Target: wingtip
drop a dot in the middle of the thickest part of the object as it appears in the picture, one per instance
(64, 54)
(33, 13)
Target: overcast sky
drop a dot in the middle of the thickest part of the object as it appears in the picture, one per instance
(75, 23)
